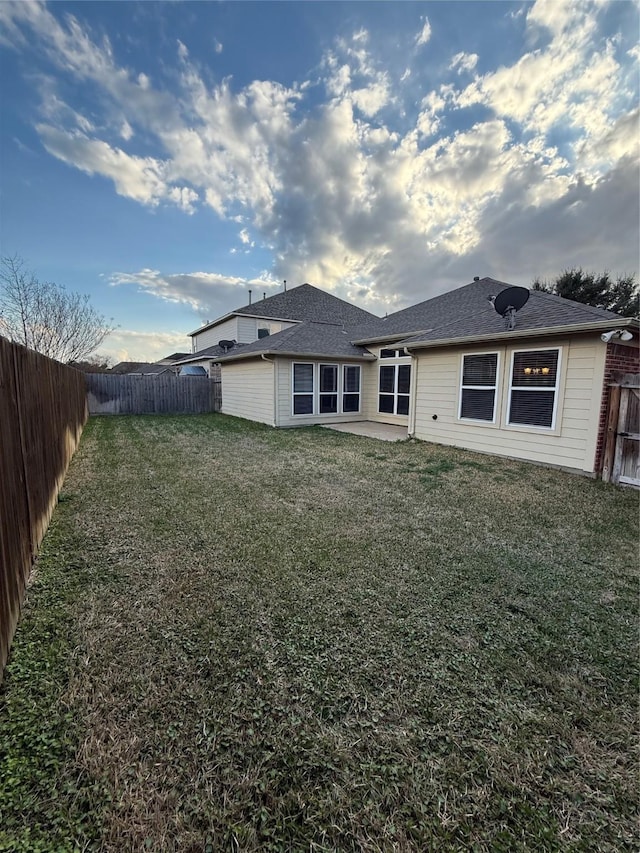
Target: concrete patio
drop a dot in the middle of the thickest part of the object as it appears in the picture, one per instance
(385, 432)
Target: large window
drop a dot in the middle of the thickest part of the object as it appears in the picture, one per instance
(478, 387)
(533, 389)
(328, 403)
(325, 389)
(393, 390)
(302, 389)
(351, 388)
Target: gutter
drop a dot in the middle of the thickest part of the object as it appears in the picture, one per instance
(284, 354)
(385, 338)
(522, 333)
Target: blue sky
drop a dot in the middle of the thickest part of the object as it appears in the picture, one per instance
(166, 157)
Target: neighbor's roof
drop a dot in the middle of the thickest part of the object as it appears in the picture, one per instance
(308, 339)
(305, 302)
(127, 366)
(151, 369)
(466, 313)
(211, 352)
(176, 356)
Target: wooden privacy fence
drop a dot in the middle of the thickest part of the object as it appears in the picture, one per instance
(166, 394)
(621, 462)
(43, 409)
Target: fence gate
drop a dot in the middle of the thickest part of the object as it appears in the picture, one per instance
(622, 451)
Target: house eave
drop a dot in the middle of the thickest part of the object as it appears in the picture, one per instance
(231, 314)
(516, 334)
(324, 356)
(382, 339)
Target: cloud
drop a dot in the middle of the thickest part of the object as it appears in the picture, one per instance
(425, 33)
(382, 194)
(207, 293)
(132, 345)
(464, 62)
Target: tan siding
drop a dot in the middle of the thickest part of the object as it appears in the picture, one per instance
(247, 390)
(285, 418)
(247, 332)
(226, 331)
(571, 444)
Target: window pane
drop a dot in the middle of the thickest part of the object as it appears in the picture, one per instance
(302, 378)
(351, 402)
(403, 404)
(352, 379)
(303, 404)
(477, 404)
(387, 353)
(535, 369)
(532, 408)
(480, 369)
(387, 380)
(328, 377)
(385, 403)
(404, 378)
(263, 333)
(328, 403)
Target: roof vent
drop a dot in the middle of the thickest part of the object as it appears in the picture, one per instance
(476, 278)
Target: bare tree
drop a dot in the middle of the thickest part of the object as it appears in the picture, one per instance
(45, 317)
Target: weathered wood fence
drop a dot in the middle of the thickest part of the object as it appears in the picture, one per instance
(113, 394)
(43, 409)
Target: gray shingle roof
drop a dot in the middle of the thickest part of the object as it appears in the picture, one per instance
(466, 313)
(324, 340)
(305, 302)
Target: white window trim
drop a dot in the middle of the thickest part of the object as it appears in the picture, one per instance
(295, 393)
(343, 367)
(396, 363)
(462, 387)
(316, 389)
(556, 388)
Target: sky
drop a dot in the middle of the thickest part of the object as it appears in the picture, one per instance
(165, 158)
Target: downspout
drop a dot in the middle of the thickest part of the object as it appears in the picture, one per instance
(272, 361)
(412, 398)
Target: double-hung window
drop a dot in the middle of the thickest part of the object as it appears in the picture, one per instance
(351, 388)
(478, 387)
(303, 389)
(394, 382)
(533, 390)
(328, 399)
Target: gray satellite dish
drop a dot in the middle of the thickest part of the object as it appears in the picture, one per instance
(226, 345)
(508, 301)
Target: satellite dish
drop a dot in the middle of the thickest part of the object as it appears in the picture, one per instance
(510, 300)
(225, 345)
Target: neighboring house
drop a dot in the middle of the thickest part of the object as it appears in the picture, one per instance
(448, 369)
(123, 367)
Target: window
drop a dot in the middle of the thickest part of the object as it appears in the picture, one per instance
(393, 390)
(325, 389)
(393, 353)
(478, 387)
(351, 388)
(328, 402)
(263, 333)
(302, 389)
(534, 388)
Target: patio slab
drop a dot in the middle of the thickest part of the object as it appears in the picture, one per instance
(385, 432)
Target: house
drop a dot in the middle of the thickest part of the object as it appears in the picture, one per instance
(449, 369)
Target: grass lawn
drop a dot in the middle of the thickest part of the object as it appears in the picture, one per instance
(250, 640)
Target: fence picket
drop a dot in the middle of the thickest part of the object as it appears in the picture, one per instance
(147, 395)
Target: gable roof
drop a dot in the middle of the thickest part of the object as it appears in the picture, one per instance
(305, 302)
(308, 339)
(466, 313)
